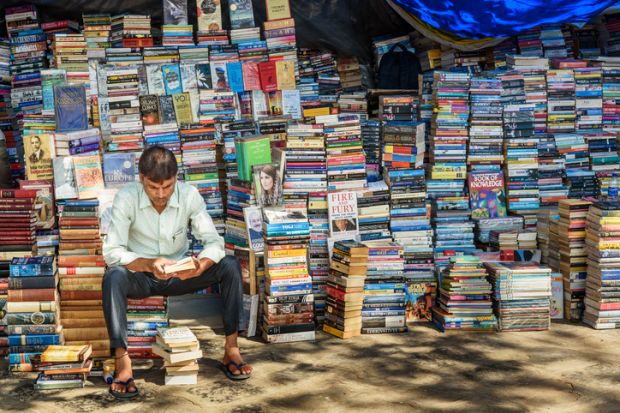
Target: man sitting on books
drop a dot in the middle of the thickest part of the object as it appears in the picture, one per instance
(147, 233)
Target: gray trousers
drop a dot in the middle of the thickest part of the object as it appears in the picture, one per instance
(119, 284)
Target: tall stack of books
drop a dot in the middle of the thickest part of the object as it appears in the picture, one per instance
(371, 140)
(17, 223)
(318, 251)
(373, 211)
(534, 72)
(464, 301)
(81, 268)
(550, 172)
(589, 98)
(131, 30)
(324, 65)
(601, 300)
(32, 309)
(70, 54)
(200, 168)
(346, 163)
(573, 255)
(97, 28)
(403, 144)
(286, 234)
(383, 309)
(610, 80)
(306, 167)
(501, 51)
(179, 348)
(485, 128)
(62, 367)
(561, 115)
(281, 40)
(125, 124)
(521, 295)
(6, 118)
(345, 289)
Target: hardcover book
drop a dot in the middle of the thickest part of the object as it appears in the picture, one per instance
(268, 76)
(149, 109)
(182, 108)
(175, 12)
(64, 178)
(278, 9)
(118, 168)
(88, 176)
(487, 195)
(209, 14)
(241, 14)
(172, 79)
(71, 108)
(39, 151)
(251, 151)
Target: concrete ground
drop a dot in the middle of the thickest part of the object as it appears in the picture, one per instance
(570, 368)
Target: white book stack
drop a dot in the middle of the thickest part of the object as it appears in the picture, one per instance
(180, 350)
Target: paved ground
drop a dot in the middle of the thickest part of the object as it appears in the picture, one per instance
(570, 368)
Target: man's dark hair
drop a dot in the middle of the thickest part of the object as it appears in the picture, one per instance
(158, 164)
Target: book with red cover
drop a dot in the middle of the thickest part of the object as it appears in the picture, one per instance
(251, 76)
(268, 77)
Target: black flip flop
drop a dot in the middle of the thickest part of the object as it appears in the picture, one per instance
(126, 395)
(232, 376)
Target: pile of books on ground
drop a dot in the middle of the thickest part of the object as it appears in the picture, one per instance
(464, 301)
(602, 300)
(62, 367)
(521, 295)
(180, 349)
(513, 240)
(32, 309)
(345, 289)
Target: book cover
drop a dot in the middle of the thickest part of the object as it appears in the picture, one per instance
(182, 108)
(342, 212)
(188, 77)
(88, 176)
(38, 153)
(253, 151)
(557, 297)
(118, 168)
(64, 178)
(278, 9)
(209, 15)
(285, 75)
(166, 110)
(175, 11)
(235, 76)
(267, 180)
(268, 76)
(49, 79)
(71, 108)
(291, 103)
(203, 76)
(149, 109)
(155, 80)
(275, 103)
(219, 75)
(420, 300)
(487, 195)
(251, 76)
(254, 226)
(172, 79)
(260, 109)
(241, 14)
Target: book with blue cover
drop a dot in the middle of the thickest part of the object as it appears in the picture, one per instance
(235, 76)
(70, 107)
(172, 79)
(118, 168)
(241, 14)
(32, 266)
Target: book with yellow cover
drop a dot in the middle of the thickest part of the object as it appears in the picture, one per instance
(88, 176)
(63, 354)
(285, 75)
(182, 108)
(39, 151)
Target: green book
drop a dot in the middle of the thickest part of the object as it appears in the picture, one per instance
(252, 150)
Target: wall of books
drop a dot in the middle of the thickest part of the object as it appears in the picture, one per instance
(484, 200)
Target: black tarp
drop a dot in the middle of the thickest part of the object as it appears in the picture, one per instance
(343, 26)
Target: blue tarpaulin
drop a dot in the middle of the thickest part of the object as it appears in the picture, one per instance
(476, 19)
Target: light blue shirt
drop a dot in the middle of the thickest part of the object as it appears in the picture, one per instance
(137, 230)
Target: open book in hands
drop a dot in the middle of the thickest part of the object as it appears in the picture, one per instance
(185, 264)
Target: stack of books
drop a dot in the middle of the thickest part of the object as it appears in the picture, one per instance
(535, 87)
(216, 105)
(177, 35)
(589, 98)
(573, 255)
(32, 309)
(345, 289)
(131, 30)
(70, 54)
(17, 222)
(346, 163)
(349, 73)
(371, 140)
(281, 40)
(603, 149)
(587, 46)
(464, 301)
(97, 28)
(501, 52)
(159, 56)
(78, 143)
(609, 67)
(521, 295)
(383, 309)
(306, 168)
(529, 42)
(543, 230)
(62, 367)
(403, 144)
(552, 40)
(484, 226)
(354, 103)
(124, 57)
(581, 183)
(550, 172)
(180, 349)
(561, 116)
(318, 251)
(123, 117)
(240, 197)
(602, 301)
(229, 132)
(513, 240)
(373, 211)
(200, 168)
(286, 233)
(574, 148)
(212, 38)
(166, 135)
(252, 49)
(485, 128)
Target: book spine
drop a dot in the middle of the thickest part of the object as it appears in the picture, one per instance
(35, 294)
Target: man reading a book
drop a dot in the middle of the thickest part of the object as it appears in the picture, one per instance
(147, 233)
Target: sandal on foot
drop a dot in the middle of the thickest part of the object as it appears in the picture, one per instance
(225, 368)
(126, 394)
